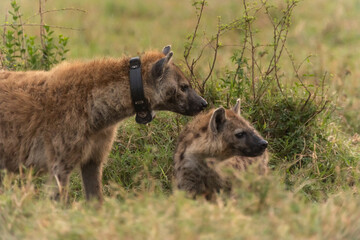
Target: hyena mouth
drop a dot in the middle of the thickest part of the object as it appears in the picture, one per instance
(258, 150)
(197, 107)
(193, 112)
(254, 153)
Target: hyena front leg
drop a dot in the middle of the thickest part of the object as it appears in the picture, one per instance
(91, 173)
(91, 169)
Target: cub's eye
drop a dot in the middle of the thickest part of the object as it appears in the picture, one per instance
(184, 87)
(240, 134)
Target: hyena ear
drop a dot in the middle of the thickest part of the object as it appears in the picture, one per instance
(166, 49)
(237, 107)
(217, 120)
(158, 68)
(168, 57)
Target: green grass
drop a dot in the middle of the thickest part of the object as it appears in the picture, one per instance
(312, 190)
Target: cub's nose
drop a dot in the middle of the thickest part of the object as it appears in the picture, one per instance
(263, 144)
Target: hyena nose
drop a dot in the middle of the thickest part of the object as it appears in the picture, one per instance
(203, 103)
(264, 144)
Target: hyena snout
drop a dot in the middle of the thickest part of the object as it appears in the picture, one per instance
(263, 144)
(256, 147)
(195, 103)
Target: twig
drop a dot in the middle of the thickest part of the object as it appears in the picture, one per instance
(216, 48)
(252, 49)
(317, 112)
(296, 70)
(242, 55)
(279, 35)
(4, 33)
(194, 61)
(56, 10)
(42, 25)
(283, 20)
(22, 53)
(275, 65)
(188, 50)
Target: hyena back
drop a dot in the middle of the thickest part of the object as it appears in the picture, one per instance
(57, 120)
(212, 141)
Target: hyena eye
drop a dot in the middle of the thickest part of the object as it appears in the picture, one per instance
(240, 134)
(184, 87)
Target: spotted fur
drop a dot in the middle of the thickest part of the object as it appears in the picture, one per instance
(211, 142)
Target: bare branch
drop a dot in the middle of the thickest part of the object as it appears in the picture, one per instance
(296, 70)
(188, 50)
(42, 25)
(216, 48)
(56, 10)
(4, 29)
(242, 55)
(275, 64)
(281, 30)
(201, 53)
(252, 48)
(42, 33)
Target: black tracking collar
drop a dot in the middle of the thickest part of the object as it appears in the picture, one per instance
(141, 105)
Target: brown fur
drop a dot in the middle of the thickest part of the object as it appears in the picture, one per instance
(57, 120)
(203, 152)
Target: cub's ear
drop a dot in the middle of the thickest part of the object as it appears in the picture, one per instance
(217, 120)
(166, 49)
(158, 68)
(168, 57)
(237, 107)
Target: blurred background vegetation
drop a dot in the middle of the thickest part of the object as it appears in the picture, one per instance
(298, 84)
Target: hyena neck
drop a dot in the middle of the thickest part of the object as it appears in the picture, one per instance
(112, 102)
(192, 150)
(189, 161)
(199, 149)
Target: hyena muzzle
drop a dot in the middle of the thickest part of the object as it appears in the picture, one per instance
(57, 120)
(217, 137)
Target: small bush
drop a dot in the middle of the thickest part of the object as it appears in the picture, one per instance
(287, 106)
(21, 52)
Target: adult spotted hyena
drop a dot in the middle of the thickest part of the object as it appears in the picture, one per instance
(211, 142)
(54, 121)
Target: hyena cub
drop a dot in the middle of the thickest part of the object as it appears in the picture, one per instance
(214, 140)
(57, 120)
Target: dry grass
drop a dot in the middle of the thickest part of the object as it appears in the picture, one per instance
(260, 209)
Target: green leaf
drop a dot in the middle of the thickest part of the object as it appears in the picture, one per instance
(47, 28)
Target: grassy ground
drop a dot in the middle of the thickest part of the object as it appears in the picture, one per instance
(317, 201)
(260, 209)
